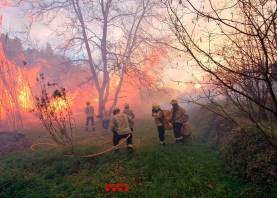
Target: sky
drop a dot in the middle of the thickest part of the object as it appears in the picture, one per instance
(15, 23)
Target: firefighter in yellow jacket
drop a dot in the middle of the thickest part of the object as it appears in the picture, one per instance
(89, 111)
(121, 129)
(131, 116)
(158, 115)
(179, 118)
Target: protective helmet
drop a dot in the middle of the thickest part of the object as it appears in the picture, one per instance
(116, 110)
(155, 106)
(174, 101)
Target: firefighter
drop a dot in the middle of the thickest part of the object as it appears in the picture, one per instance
(158, 115)
(121, 129)
(131, 116)
(179, 118)
(89, 111)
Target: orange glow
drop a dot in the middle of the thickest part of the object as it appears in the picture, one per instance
(15, 92)
(2, 113)
(24, 94)
(197, 86)
(22, 85)
(59, 105)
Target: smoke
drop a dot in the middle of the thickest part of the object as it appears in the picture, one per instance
(140, 89)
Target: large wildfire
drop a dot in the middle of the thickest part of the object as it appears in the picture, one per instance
(15, 93)
(19, 86)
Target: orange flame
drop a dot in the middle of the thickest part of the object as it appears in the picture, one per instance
(15, 92)
(24, 94)
(62, 104)
(24, 98)
(197, 86)
(59, 105)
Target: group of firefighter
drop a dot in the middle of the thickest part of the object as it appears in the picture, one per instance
(122, 123)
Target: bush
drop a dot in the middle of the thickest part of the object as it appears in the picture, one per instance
(212, 128)
(248, 155)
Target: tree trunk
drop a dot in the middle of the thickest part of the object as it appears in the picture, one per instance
(101, 106)
(118, 90)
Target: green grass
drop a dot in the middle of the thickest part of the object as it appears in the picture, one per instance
(190, 170)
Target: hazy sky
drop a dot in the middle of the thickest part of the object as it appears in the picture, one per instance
(15, 23)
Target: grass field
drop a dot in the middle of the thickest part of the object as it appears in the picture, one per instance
(190, 170)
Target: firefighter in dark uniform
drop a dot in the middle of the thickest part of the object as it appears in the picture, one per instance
(89, 111)
(179, 118)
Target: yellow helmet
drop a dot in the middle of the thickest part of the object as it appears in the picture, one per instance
(174, 101)
(155, 106)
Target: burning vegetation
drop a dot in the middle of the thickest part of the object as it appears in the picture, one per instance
(54, 111)
(16, 95)
(20, 84)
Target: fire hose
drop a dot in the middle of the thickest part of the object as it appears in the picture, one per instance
(82, 156)
(33, 146)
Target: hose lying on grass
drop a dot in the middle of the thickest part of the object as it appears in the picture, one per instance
(33, 146)
(54, 146)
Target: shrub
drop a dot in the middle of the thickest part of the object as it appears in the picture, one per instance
(211, 127)
(247, 154)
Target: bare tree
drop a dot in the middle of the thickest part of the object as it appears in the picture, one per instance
(235, 44)
(106, 35)
(54, 112)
